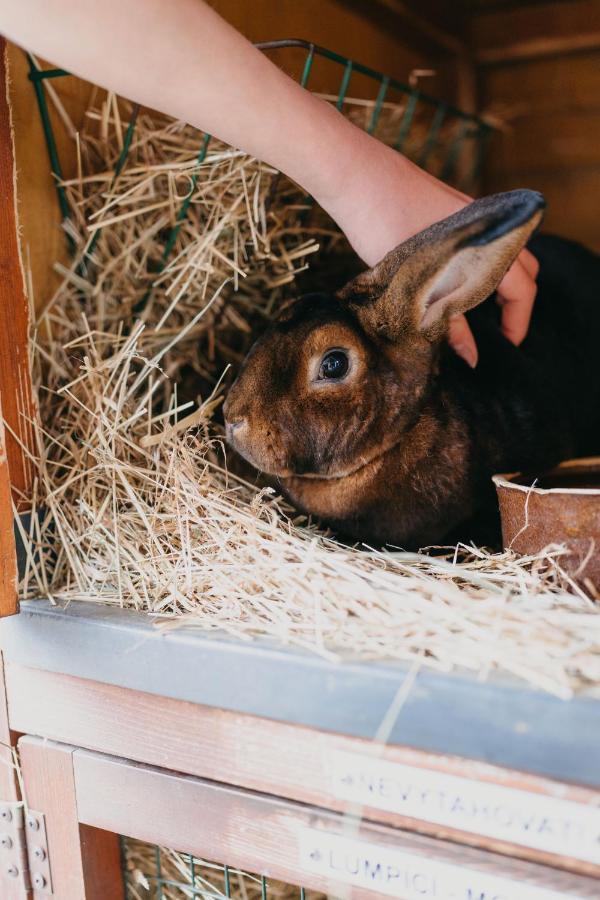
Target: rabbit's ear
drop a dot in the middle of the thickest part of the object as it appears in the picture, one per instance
(445, 270)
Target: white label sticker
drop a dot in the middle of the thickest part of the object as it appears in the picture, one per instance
(509, 814)
(406, 875)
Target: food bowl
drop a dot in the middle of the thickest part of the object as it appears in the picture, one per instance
(561, 506)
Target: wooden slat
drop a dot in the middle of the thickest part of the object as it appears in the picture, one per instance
(542, 143)
(429, 25)
(9, 789)
(265, 834)
(15, 377)
(566, 84)
(42, 238)
(274, 758)
(536, 30)
(84, 862)
(571, 196)
(9, 601)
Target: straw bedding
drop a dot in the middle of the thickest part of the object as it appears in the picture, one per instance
(139, 504)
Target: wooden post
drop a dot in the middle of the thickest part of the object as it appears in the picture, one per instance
(16, 405)
(9, 789)
(9, 602)
(84, 861)
(15, 375)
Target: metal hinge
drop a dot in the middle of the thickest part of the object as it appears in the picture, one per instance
(24, 848)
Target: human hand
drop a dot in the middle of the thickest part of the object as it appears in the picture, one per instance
(516, 296)
(386, 199)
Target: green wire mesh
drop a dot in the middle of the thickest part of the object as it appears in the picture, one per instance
(151, 872)
(467, 130)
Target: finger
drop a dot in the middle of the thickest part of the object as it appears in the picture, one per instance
(530, 262)
(460, 338)
(516, 294)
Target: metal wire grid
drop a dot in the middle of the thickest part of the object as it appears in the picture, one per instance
(163, 874)
(469, 128)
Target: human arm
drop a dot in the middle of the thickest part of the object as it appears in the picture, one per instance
(183, 59)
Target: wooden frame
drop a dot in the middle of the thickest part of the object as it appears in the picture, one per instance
(9, 788)
(74, 680)
(85, 861)
(445, 713)
(243, 829)
(271, 757)
(16, 404)
(533, 31)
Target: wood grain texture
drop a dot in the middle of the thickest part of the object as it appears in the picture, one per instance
(85, 863)
(260, 833)
(15, 378)
(551, 108)
(9, 790)
(535, 30)
(571, 195)
(42, 239)
(8, 782)
(271, 757)
(565, 84)
(540, 142)
(9, 601)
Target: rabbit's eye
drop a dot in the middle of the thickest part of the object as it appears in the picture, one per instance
(334, 365)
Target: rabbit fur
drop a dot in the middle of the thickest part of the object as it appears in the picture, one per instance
(401, 448)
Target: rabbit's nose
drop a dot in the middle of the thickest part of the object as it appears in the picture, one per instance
(234, 427)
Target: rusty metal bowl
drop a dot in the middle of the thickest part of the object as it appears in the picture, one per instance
(561, 506)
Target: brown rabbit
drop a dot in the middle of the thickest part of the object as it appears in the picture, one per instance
(370, 422)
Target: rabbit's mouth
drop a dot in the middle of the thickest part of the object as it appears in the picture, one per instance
(266, 461)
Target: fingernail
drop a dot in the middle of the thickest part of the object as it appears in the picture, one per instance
(467, 353)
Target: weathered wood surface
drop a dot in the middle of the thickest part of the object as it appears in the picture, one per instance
(271, 757)
(266, 834)
(15, 377)
(550, 106)
(9, 788)
(9, 603)
(535, 30)
(16, 405)
(84, 861)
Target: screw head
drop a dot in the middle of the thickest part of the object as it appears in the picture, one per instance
(32, 823)
(39, 853)
(12, 871)
(38, 880)
(5, 814)
(6, 841)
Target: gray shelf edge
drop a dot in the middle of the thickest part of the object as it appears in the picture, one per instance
(500, 721)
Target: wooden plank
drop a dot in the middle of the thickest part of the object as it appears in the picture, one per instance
(429, 25)
(84, 862)
(41, 237)
(571, 196)
(539, 47)
(9, 600)
(9, 788)
(540, 143)
(15, 377)
(531, 31)
(566, 84)
(501, 720)
(274, 758)
(290, 841)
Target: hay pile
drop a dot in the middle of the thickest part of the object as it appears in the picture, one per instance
(137, 502)
(184, 876)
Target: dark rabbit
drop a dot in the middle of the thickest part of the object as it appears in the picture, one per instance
(368, 419)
